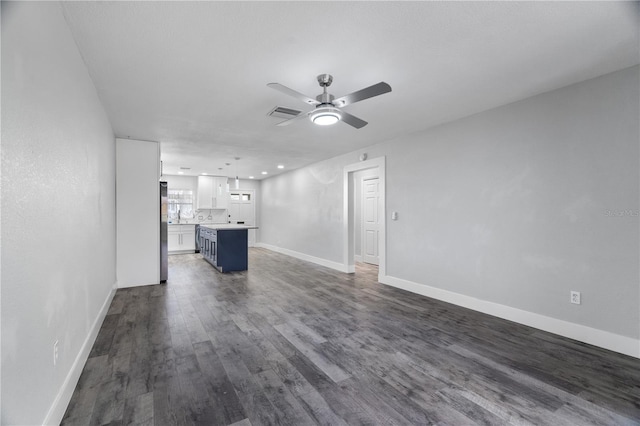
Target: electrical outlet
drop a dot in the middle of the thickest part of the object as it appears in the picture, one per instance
(55, 352)
(575, 297)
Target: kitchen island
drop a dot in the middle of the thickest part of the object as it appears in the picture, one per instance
(225, 246)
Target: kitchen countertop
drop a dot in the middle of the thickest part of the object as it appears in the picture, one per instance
(223, 226)
(196, 223)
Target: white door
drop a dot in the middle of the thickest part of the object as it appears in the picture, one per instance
(370, 220)
(242, 210)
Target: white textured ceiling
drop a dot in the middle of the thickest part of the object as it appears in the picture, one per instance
(193, 75)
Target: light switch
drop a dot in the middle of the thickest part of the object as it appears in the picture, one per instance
(394, 215)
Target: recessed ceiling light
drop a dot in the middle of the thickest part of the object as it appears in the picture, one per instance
(264, 173)
(180, 173)
(250, 177)
(280, 166)
(204, 173)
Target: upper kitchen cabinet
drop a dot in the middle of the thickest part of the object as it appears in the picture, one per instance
(205, 199)
(212, 193)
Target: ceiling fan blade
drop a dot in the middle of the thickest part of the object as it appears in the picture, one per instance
(284, 89)
(352, 120)
(361, 95)
(291, 120)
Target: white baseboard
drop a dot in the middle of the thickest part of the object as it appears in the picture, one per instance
(139, 285)
(171, 253)
(59, 406)
(582, 333)
(357, 258)
(317, 260)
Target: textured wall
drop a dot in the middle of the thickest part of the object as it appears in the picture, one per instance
(517, 205)
(58, 208)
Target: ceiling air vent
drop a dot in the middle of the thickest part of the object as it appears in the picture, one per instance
(282, 112)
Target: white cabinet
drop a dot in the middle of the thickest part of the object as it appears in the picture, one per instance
(205, 192)
(181, 239)
(188, 236)
(173, 238)
(212, 193)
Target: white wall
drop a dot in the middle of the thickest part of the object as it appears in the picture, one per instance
(138, 212)
(58, 213)
(301, 211)
(509, 209)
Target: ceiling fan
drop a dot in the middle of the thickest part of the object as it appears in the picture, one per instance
(327, 108)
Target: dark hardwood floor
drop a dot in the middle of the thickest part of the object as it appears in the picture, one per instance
(293, 343)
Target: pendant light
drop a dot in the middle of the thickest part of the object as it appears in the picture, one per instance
(227, 186)
(237, 180)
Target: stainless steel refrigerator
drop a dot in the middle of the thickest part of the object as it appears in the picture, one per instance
(164, 218)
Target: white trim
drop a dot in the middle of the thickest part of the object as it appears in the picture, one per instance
(145, 284)
(348, 263)
(604, 339)
(59, 406)
(357, 258)
(317, 260)
(171, 253)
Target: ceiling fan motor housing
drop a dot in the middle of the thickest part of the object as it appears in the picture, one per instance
(324, 80)
(325, 98)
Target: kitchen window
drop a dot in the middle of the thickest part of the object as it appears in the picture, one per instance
(180, 204)
(240, 197)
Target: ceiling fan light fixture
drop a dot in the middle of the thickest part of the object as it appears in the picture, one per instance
(325, 116)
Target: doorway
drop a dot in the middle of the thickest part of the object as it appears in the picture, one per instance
(377, 167)
(242, 210)
(370, 222)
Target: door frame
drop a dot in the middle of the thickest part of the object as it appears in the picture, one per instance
(348, 218)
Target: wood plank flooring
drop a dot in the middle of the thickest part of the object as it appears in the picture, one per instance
(293, 343)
